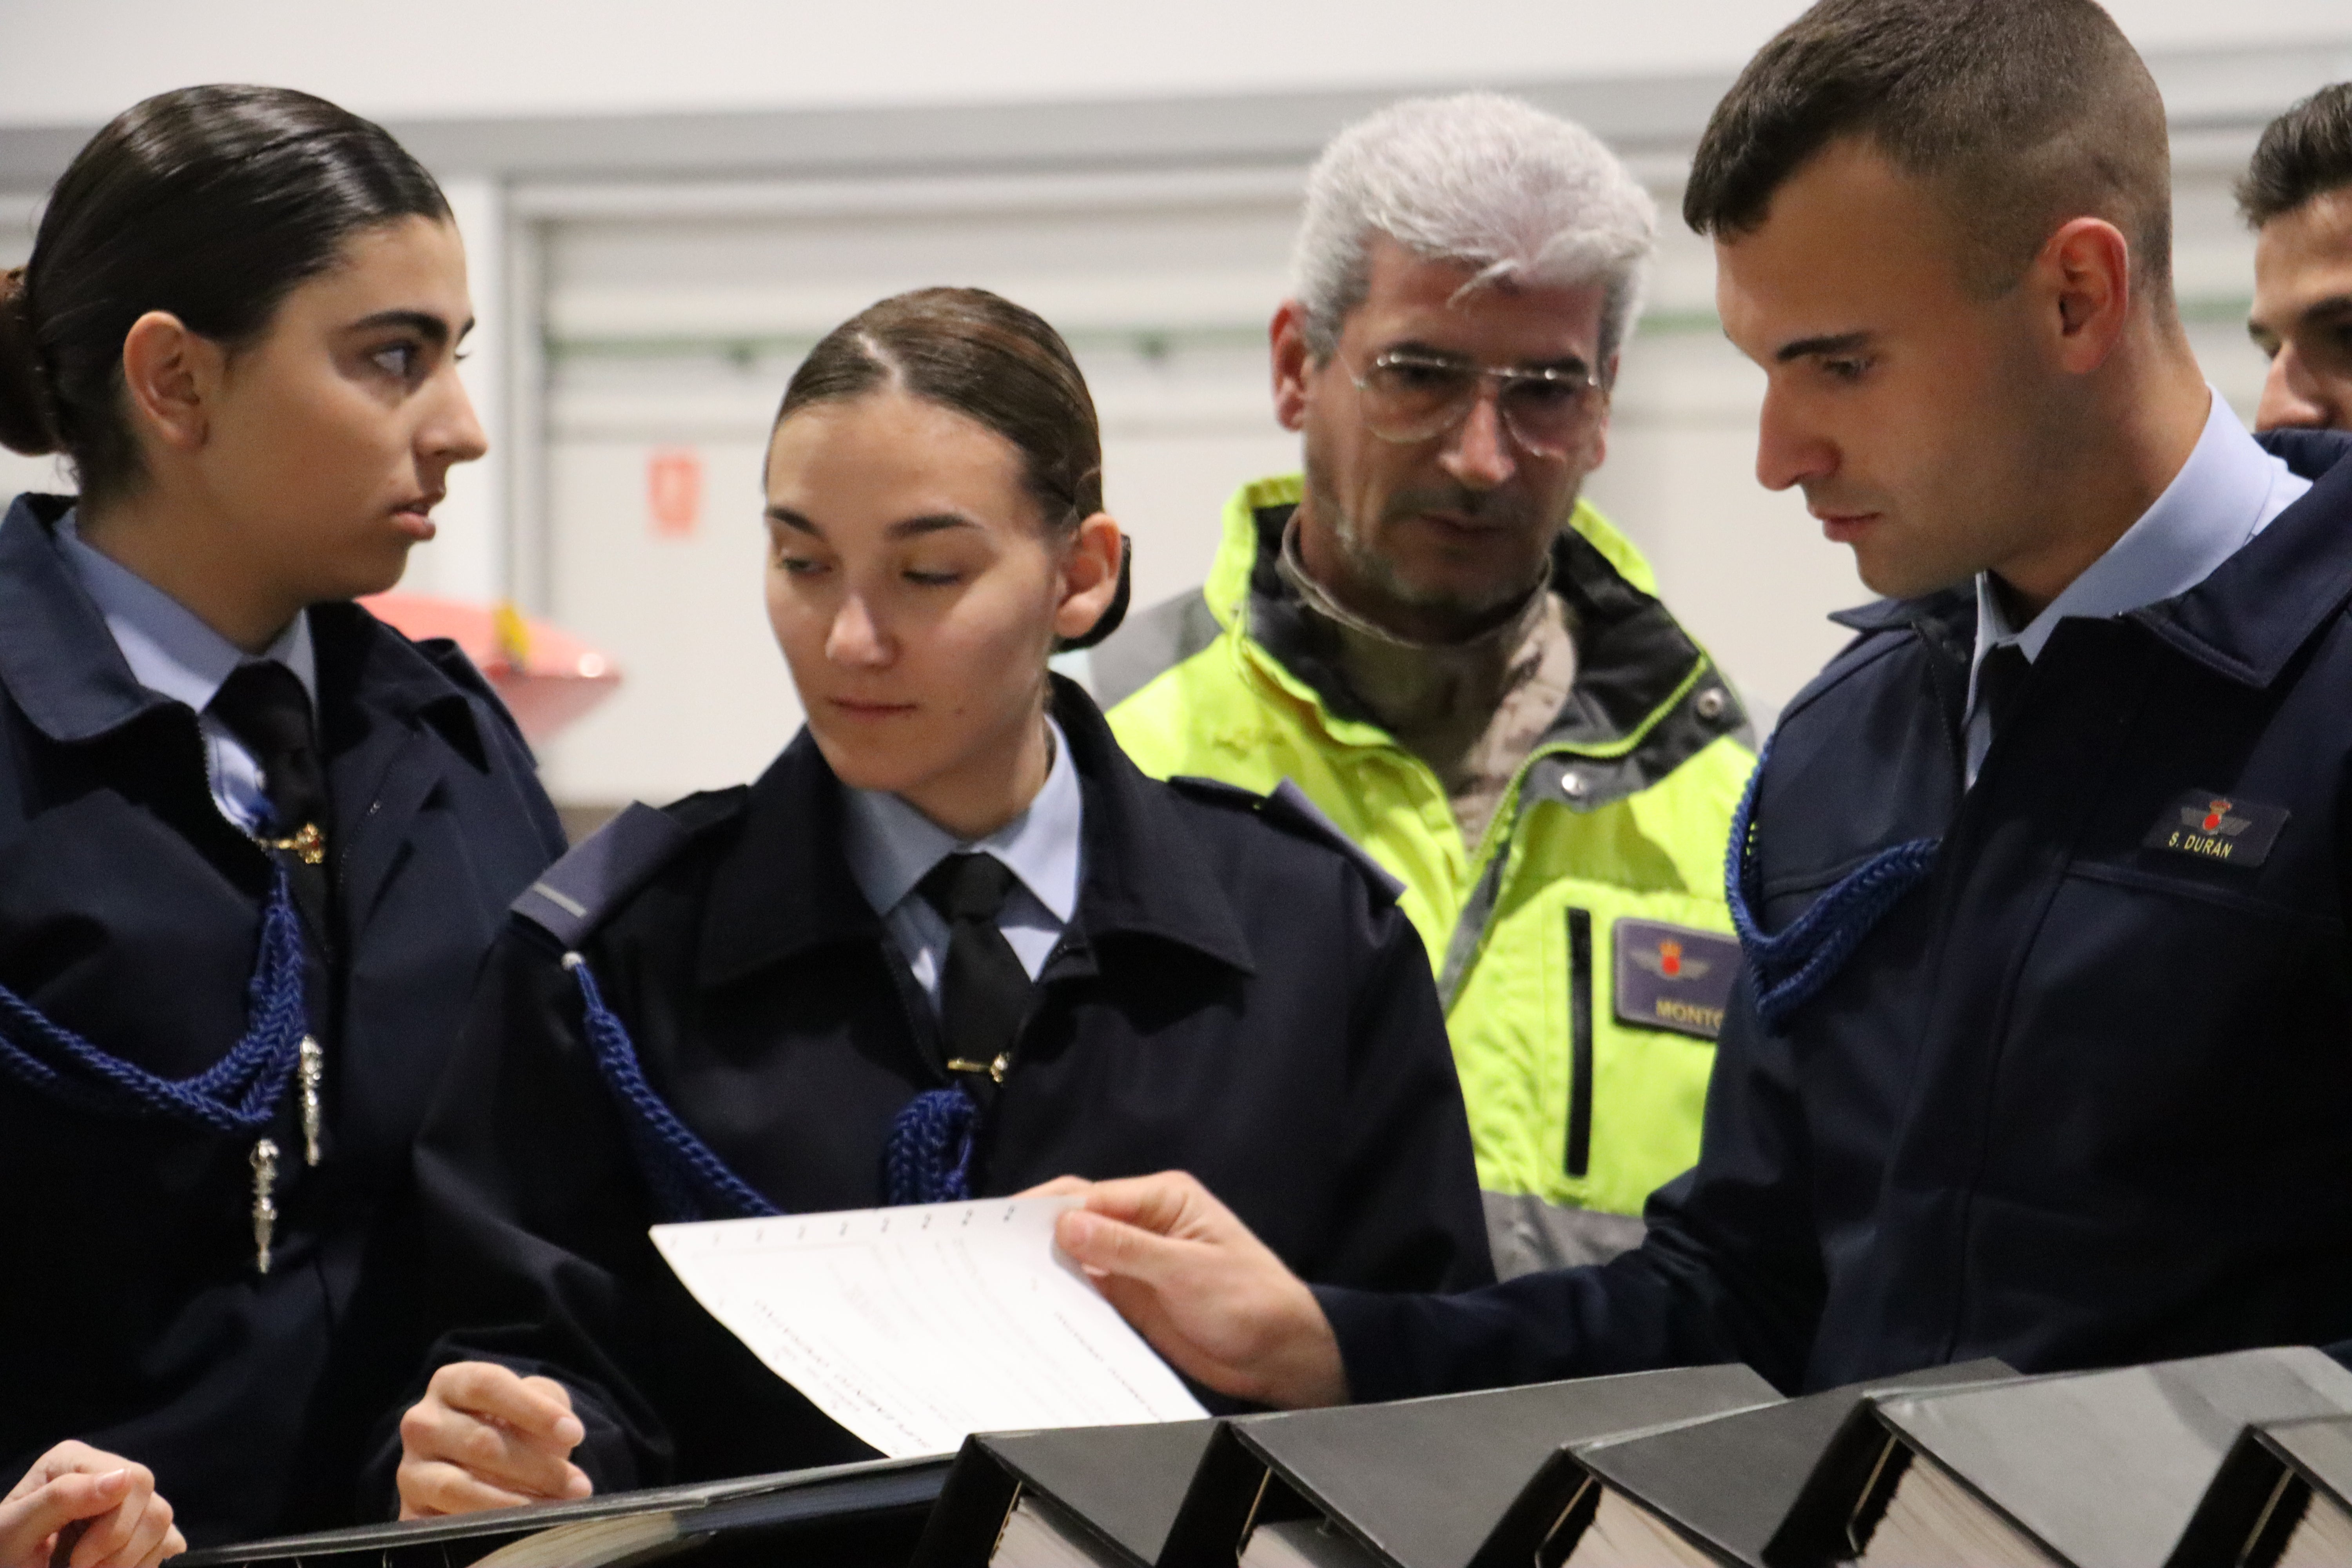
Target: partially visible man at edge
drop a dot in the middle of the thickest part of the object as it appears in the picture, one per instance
(1463, 665)
(2296, 197)
(2037, 1045)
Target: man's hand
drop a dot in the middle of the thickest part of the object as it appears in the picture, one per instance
(87, 1509)
(1208, 1294)
(484, 1437)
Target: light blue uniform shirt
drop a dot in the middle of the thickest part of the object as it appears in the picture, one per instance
(2226, 493)
(173, 653)
(892, 847)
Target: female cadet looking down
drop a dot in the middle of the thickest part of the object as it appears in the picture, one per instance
(252, 843)
(1135, 975)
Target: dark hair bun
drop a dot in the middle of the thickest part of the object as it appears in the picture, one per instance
(24, 423)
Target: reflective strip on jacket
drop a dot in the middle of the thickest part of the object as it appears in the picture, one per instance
(1619, 813)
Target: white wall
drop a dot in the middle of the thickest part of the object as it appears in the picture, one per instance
(79, 63)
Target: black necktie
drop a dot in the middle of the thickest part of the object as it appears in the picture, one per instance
(2001, 679)
(983, 990)
(265, 706)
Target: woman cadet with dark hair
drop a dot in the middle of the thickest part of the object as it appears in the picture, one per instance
(952, 943)
(253, 843)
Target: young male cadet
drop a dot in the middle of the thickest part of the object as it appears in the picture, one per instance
(2296, 196)
(2052, 1065)
(1463, 666)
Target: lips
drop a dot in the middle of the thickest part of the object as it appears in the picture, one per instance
(1845, 527)
(1454, 522)
(854, 707)
(414, 516)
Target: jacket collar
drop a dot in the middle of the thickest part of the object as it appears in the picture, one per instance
(2250, 614)
(1944, 605)
(62, 669)
(1633, 659)
(58, 662)
(359, 654)
(2248, 618)
(784, 888)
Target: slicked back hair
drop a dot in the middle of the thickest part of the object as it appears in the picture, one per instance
(2023, 113)
(213, 202)
(2304, 152)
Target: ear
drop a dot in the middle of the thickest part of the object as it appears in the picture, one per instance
(1090, 565)
(171, 376)
(1293, 363)
(2084, 275)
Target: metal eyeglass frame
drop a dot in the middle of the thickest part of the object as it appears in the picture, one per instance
(1504, 378)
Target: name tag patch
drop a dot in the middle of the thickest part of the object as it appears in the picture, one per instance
(2218, 828)
(1673, 977)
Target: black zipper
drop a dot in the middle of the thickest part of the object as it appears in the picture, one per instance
(1580, 1040)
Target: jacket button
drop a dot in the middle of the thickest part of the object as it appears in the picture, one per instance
(1711, 703)
(1573, 785)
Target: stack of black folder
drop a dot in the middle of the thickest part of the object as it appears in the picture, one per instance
(2242, 1460)
(1419, 1484)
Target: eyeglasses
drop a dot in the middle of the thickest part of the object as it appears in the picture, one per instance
(1411, 395)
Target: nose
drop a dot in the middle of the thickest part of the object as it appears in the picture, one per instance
(1479, 455)
(453, 433)
(856, 640)
(2293, 398)
(1787, 451)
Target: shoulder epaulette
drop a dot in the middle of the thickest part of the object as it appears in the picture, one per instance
(1290, 809)
(572, 897)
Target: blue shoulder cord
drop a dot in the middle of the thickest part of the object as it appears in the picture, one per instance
(1790, 966)
(928, 1159)
(238, 1094)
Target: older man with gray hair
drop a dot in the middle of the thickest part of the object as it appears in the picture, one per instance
(1463, 665)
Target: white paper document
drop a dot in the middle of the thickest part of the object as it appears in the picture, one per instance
(916, 1327)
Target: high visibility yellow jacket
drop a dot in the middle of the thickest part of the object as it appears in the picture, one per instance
(1582, 948)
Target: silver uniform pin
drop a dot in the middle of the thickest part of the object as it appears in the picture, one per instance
(314, 1070)
(265, 1207)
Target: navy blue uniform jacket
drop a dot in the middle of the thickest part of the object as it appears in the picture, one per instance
(2080, 1098)
(133, 1314)
(1233, 997)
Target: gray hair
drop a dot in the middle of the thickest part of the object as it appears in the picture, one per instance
(1489, 181)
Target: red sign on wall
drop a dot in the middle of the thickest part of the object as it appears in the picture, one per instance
(673, 492)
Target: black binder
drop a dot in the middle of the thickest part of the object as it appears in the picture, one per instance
(2098, 1469)
(2283, 1484)
(1420, 1483)
(1723, 1483)
(1116, 1488)
(841, 1516)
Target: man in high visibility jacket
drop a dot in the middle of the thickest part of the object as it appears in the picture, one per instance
(1465, 666)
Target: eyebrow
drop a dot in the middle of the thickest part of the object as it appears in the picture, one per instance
(907, 528)
(424, 323)
(1806, 348)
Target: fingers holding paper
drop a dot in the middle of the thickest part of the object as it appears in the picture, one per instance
(88, 1508)
(485, 1436)
(1205, 1291)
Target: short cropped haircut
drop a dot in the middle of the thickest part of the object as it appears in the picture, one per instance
(1489, 182)
(2023, 113)
(2304, 152)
